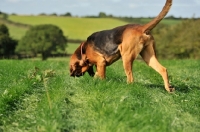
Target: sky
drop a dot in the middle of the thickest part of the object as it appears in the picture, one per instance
(129, 8)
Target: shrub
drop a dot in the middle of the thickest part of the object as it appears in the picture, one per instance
(7, 44)
(43, 39)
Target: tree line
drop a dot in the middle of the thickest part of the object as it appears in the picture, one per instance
(99, 15)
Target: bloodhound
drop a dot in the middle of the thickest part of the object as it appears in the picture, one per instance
(105, 47)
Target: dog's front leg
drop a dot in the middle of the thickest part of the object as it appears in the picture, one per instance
(91, 71)
(101, 69)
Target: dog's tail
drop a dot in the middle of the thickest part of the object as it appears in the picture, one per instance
(149, 26)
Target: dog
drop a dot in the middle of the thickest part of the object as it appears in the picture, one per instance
(126, 42)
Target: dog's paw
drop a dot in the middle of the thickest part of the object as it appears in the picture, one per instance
(170, 89)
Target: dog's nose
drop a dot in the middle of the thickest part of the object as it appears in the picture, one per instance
(72, 74)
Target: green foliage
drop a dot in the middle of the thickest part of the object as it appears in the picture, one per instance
(44, 39)
(188, 41)
(68, 14)
(3, 29)
(102, 15)
(41, 96)
(7, 44)
(178, 41)
(170, 34)
(3, 15)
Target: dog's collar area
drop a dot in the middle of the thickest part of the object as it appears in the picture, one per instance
(82, 48)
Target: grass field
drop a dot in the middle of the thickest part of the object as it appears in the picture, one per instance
(16, 32)
(164, 21)
(71, 47)
(40, 96)
(73, 28)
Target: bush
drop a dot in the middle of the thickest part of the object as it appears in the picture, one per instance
(43, 39)
(7, 44)
(180, 41)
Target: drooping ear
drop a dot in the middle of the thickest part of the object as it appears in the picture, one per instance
(84, 57)
(83, 60)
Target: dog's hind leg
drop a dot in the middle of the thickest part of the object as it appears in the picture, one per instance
(127, 63)
(148, 54)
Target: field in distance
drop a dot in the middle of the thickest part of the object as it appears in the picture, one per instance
(73, 27)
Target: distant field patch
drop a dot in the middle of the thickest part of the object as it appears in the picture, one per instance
(73, 28)
(71, 47)
(164, 21)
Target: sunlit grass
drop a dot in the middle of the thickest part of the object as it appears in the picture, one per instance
(73, 28)
(71, 47)
(88, 104)
(16, 32)
(164, 21)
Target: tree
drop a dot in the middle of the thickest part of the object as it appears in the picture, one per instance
(42, 14)
(4, 29)
(3, 15)
(43, 39)
(68, 14)
(102, 15)
(53, 14)
(7, 44)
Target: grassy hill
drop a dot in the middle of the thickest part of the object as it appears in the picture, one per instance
(41, 96)
(16, 32)
(74, 28)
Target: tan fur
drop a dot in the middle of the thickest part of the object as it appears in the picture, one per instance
(136, 40)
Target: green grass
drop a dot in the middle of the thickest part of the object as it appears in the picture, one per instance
(16, 32)
(71, 47)
(34, 101)
(74, 28)
(164, 21)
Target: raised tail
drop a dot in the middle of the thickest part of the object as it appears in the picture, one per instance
(149, 26)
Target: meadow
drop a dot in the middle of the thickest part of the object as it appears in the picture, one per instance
(73, 27)
(41, 96)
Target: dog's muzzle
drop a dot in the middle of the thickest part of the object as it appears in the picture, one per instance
(76, 74)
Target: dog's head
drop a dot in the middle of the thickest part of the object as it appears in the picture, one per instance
(78, 62)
